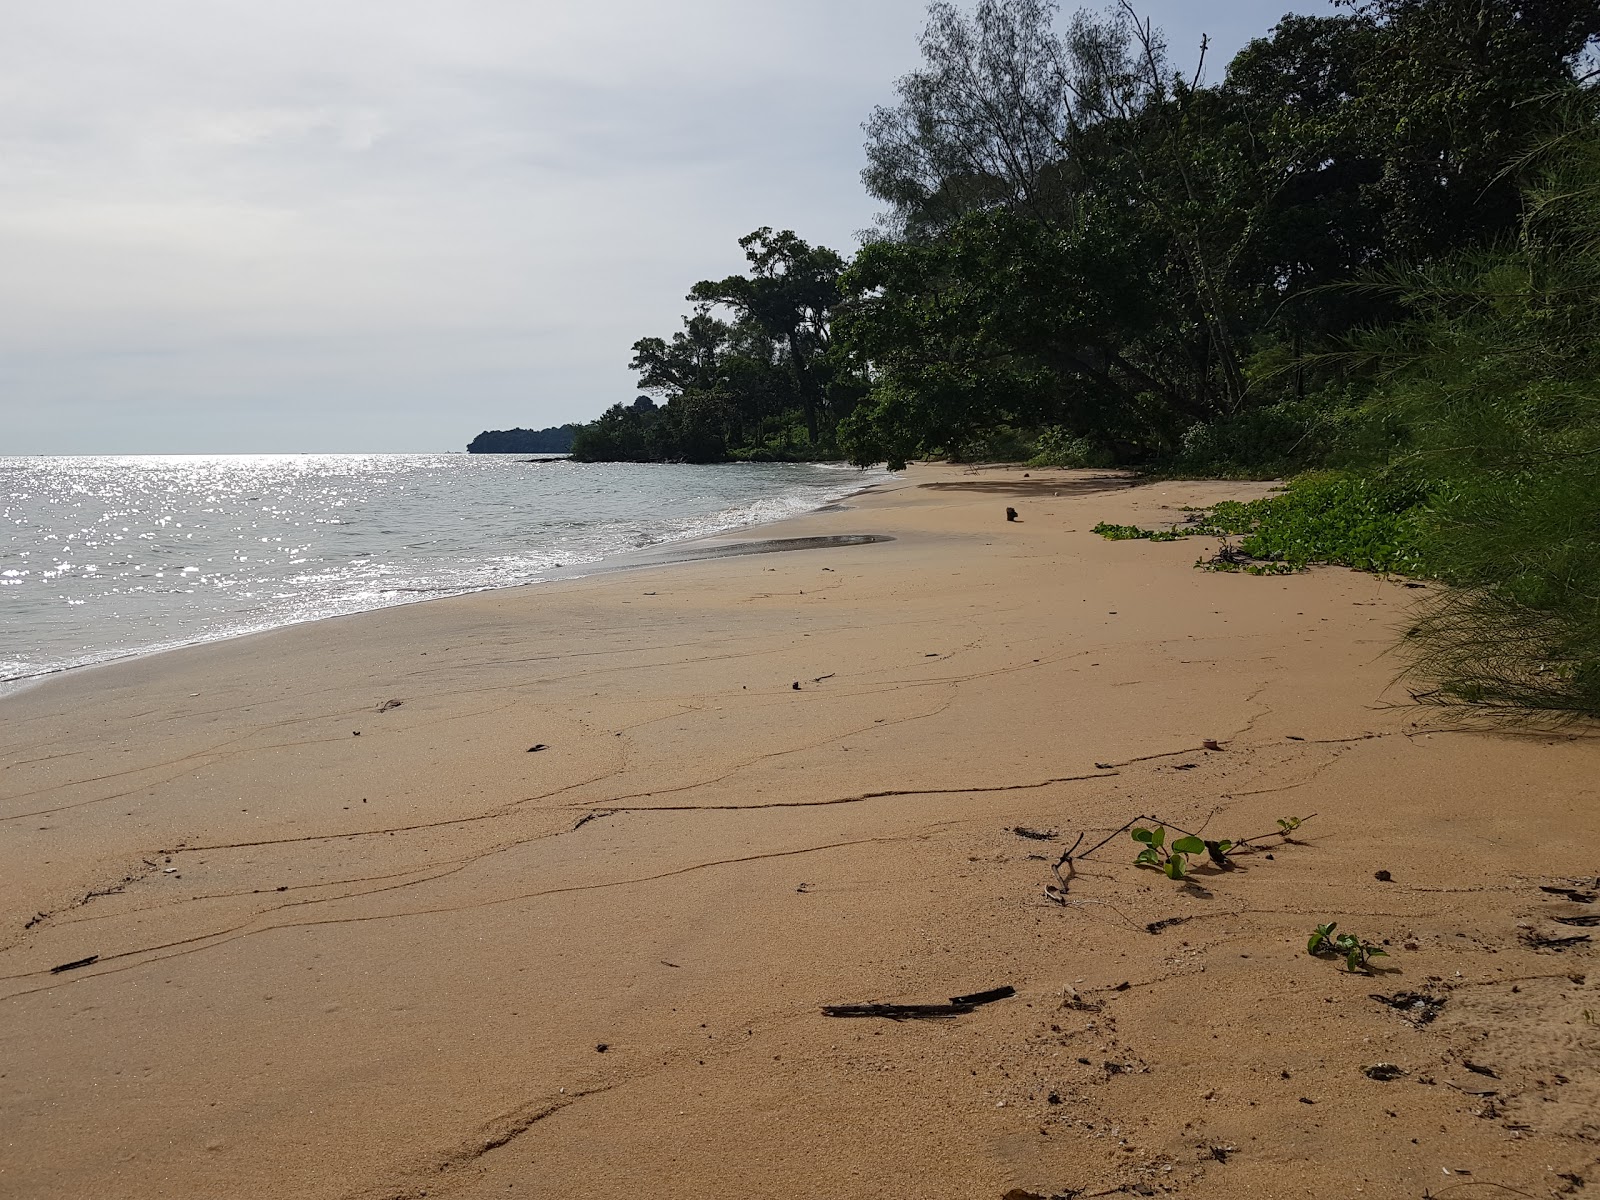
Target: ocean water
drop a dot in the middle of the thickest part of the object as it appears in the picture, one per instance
(103, 557)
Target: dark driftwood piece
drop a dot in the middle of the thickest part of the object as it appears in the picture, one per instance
(1003, 992)
(1540, 942)
(957, 1006)
(73, 966)
(1575, 896)
(895, 1012)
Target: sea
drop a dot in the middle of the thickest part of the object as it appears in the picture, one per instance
(103, 557)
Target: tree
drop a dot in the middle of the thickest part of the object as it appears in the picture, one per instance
(790, 294)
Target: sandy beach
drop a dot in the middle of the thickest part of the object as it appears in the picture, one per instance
(540, 892)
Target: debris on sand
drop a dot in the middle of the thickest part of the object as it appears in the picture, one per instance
(1417, 1007)
(957, 1006)
(1038, 835)
(73, 966)
(1575, 896)
(1539, 941)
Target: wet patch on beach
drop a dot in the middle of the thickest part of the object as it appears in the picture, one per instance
(769, 546)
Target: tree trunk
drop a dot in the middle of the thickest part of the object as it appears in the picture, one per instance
(802, 378)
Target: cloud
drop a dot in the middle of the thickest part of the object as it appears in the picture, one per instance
(365, 225)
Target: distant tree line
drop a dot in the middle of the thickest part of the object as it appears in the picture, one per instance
(555, 440)
(1084, 251)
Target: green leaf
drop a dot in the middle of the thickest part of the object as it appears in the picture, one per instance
(1223, 847)
(1375, 952)
(1188, 845)
(1315, 943)
(1159, 836)
(1148, 858)
(1143, 835)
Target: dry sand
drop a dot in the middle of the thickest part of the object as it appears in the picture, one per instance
(423, 961)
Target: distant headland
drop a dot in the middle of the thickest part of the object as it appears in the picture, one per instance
(555, 440)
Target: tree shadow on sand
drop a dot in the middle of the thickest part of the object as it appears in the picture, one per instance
(1037, 488)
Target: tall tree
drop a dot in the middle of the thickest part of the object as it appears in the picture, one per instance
(790, 292)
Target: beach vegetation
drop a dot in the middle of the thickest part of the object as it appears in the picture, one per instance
(751, 376)
(1172, 860)
(1361, 255)
(1357, 952)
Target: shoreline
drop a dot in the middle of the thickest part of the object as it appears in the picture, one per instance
(620, 561)
(542, 891)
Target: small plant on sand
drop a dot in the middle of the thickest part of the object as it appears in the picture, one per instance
(1131, 533)
(1357, 953)
(1172, 860)
(1287, 825)
(1217, 852)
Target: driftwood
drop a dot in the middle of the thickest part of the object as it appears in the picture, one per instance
(73, 966)
(1540, 942)
(1575, 896)
(957, 1006)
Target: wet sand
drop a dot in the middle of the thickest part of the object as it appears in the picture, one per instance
(561, 922)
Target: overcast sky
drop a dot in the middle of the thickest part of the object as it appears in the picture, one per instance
(387, 225)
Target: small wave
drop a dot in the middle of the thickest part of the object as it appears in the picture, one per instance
(430, 526)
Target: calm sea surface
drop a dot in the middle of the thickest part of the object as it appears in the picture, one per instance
(102, 557)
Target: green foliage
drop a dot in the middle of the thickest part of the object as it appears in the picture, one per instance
(1495, 378)
(761, 383)
(1272, 440)
(1361, 260)
(1173, 860)
(1217, 851)
(1056, 446)
(1356, 952)
(1128, 533)
(1349, 520)
(1078, 238)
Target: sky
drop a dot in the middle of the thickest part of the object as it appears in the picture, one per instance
(385, 225)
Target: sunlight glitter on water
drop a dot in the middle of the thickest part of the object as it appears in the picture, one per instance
(106, 556)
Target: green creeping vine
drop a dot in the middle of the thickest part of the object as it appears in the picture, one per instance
(1357, 954)
(1173, 861)
(1130, 533)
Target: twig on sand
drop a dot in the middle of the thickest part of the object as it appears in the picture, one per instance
(957, 1006)
(1058, 891)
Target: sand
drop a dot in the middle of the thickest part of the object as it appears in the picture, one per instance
(348, 948)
